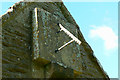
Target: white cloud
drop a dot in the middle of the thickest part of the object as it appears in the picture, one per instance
(106, 34)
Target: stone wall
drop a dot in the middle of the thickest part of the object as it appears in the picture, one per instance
(76, 61)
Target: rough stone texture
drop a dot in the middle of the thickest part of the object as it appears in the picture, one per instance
(73, 61)
(50, 40)
(0, 49)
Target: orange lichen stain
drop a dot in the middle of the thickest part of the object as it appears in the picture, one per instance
(73, 60)
(37, 36)
(74, 55)
(36, 48)
(33, 32)
(34, 35)
(77, 73)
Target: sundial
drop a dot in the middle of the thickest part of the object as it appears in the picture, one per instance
(70, 35)
(55, 40)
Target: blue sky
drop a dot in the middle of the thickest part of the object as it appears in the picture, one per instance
(98, 22)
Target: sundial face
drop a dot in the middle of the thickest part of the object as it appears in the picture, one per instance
(48, 40)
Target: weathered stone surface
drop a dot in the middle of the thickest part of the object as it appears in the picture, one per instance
(49, 40)
(17, 45)
(0, 49)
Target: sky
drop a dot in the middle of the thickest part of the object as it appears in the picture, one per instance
(98, 22)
